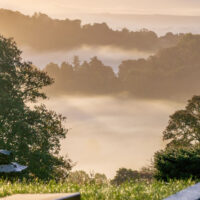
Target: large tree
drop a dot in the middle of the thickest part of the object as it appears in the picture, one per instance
(180, 159)
(184, 126)
(33, 133)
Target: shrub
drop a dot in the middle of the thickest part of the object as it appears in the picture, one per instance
(124, 175)
(31, 131)
(181, 163)
(81, 177)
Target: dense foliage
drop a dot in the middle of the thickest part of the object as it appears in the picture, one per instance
(181, 157)
(31, 132)
(178, 163)
(128, 175)
(82, 177)
(87, 78)
(184, 126)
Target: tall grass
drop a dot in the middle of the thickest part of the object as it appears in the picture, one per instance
(140, 190)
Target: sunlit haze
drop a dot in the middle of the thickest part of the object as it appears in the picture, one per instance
(108, 133)
(60, 8)
(121, 68)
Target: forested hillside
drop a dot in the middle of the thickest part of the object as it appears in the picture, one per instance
(43, 33)
(172, 73)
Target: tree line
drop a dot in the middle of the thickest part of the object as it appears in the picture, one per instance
(43, 33)
(172, 73)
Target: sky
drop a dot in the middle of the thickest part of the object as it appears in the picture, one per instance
(60, 8)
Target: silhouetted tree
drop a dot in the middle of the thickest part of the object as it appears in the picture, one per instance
(124, 175)
(180, 159)
(177, 163)
(95, 78)
(32, 133)
(81, 177)
(76, 63)
(184, 127)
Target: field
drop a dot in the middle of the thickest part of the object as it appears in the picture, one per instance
(142, 190)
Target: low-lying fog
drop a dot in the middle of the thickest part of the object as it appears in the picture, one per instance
(108, 55)
(107, 133)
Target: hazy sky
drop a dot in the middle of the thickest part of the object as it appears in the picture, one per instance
(60, 8)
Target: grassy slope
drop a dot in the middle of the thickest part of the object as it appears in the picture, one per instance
(138, 191)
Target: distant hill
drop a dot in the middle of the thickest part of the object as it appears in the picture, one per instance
(43, 33)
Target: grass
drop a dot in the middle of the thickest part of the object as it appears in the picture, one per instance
(155, 190)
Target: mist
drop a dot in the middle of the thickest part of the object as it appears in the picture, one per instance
(108, 55)
(107, 133)
(107, 129)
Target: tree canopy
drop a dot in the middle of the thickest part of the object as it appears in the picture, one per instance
(124, 175)
(177, 163)
(180, 159)
(184, 125)
(33, 133)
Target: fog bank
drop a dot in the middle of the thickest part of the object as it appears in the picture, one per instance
(108, 55)
(108, 133)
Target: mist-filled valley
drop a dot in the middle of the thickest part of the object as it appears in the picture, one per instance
(99, 100)
(117, 78)
(107, 133)
(110, 56)
(157, 77)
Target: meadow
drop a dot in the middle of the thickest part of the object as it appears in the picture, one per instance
(139, 190)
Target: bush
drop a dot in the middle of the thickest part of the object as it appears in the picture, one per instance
(124, 175)
(81, 177)
(128, 175)
(181, 163)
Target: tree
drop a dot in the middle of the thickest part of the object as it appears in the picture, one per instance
(81, 177)
(100, 179)
(33, 133)
(147, 173)
(76, 63)
(178, 163)
(123, 175)
(78, 177)
(181, 158)
(184, 126)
